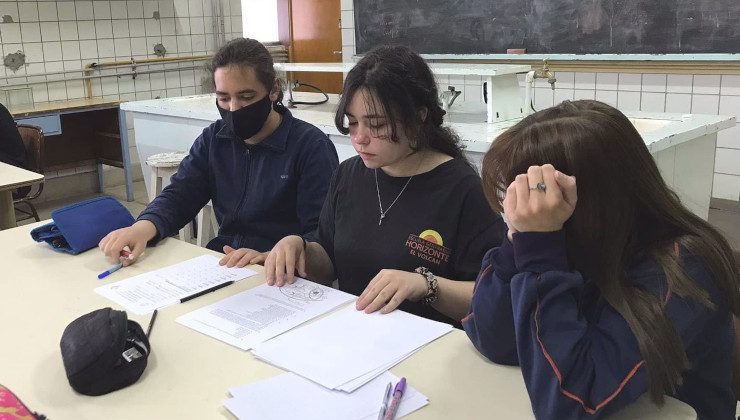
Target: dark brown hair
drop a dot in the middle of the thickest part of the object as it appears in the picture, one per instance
(247, 52)
(401, 84)
(625, 213)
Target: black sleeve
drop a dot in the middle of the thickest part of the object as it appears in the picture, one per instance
(479, 229)
(325, 230)
(12, 150)
(316, 166)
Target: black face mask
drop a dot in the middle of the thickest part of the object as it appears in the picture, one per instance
(247, 121)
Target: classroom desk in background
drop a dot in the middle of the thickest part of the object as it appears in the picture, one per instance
(81, 131)
(683, 146)
(189, 374)
(12, 177)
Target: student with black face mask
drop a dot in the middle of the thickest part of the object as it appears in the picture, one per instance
(266, 172)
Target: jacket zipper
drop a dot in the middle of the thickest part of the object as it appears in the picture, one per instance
(240, 204)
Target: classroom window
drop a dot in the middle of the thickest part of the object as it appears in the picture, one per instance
(259, 18)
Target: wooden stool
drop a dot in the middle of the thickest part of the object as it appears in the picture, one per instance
(207, 225)
(163, 166)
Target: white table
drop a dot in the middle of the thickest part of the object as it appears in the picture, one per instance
(12, 177)
(683, 146)
(501, 83)
(189, 373)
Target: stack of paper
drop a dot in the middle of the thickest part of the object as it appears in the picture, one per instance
(349, 348)
(289, 396)
(159, 288)
(258, 314)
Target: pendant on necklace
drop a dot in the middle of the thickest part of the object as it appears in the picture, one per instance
(380, 221)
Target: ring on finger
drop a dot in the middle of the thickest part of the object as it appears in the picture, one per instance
(539, 187)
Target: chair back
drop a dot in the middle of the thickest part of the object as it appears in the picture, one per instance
(33, 141)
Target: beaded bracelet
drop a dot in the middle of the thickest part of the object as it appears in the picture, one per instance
(432, 289)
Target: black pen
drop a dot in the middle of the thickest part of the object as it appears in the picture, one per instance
(203, 292)
(151, 323)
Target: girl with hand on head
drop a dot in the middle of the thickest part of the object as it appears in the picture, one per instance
(265, 172)
(405, 223)
(606, 287)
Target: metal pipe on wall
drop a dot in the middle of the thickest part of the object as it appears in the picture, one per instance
(52, 73)
(133, 63)
(99, 76)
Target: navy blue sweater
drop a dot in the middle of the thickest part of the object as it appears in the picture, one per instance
(528, 310)
(260, 193)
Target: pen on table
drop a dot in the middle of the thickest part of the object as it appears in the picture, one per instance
(390, 414)
(384, 404)
(203, 292)
(125, 254)
(109, 271)
(151, 323)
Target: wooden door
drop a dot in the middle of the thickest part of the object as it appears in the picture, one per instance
(317, 38)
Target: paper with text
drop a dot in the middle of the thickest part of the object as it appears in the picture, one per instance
(288, 396)
(256, 315)
(156, 289)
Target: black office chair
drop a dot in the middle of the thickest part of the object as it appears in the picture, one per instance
(33, 141)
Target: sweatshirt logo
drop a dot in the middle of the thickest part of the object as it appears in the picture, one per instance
(428, 246)
(432, 236)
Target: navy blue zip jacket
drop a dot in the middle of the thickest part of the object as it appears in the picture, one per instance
(579, 357)
(260, 193)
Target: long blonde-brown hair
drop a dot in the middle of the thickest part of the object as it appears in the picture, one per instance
(625, 213)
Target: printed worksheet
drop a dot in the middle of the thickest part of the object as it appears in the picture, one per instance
(156, 289)
(256, 315)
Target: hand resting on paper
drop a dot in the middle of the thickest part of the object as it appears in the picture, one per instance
(241, 257)
(389, 288)
(291, 256)
(285, 258)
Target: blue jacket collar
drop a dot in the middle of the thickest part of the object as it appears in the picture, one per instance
(276, 141)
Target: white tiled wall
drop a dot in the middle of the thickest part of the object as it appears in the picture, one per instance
(698, 94)
(680, 93)
(67, 35)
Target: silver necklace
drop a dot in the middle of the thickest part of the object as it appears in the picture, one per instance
(380, 203)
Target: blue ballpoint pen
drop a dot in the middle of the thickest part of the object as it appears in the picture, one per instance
(110, 271)
(384, 405)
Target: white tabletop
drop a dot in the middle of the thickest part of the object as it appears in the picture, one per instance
(189, 373)
(659, 130)
(437, 68)
(12, 177)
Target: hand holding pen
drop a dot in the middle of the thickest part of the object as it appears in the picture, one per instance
(125, 255)
(133, 239)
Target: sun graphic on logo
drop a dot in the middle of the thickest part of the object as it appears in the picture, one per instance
(431, 236)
